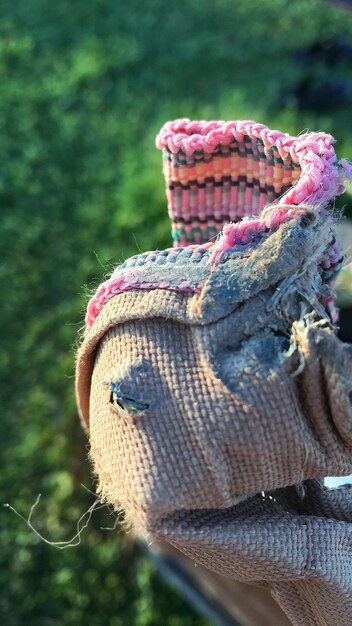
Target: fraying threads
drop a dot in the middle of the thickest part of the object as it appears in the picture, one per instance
(301, 490)
(346, 168)
(301, 365)
(82, 523)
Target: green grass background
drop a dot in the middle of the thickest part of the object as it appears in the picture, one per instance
(84, 87)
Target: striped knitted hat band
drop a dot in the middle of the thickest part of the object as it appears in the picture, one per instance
(231, 185)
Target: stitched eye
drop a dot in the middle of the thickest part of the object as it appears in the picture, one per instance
(126, 403)
(115, 401)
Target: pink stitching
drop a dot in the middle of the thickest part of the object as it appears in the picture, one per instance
(232, 234)
(244, 231)
(119, 284)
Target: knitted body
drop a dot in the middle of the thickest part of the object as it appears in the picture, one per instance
(212, 383)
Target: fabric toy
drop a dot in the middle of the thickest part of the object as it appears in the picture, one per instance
(214, 390)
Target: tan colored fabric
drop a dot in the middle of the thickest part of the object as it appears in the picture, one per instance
(248, 393)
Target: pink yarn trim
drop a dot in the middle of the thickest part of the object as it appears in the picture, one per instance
(120, 283)
(244, 231)
(322, 175)
(232, 234)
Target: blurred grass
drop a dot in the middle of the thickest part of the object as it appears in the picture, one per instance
(85, 86)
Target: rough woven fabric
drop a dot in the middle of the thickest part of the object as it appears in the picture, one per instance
(212, 385)
(245, 391)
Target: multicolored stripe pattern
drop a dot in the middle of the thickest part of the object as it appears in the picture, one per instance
(241, 181)
(220, 172)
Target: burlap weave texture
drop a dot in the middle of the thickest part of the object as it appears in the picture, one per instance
(247, 393)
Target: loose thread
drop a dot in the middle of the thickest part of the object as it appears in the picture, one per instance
(61, 545)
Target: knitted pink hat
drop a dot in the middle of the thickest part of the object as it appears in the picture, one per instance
(240, 178)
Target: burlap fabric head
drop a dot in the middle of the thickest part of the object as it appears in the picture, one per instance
(212, 385)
